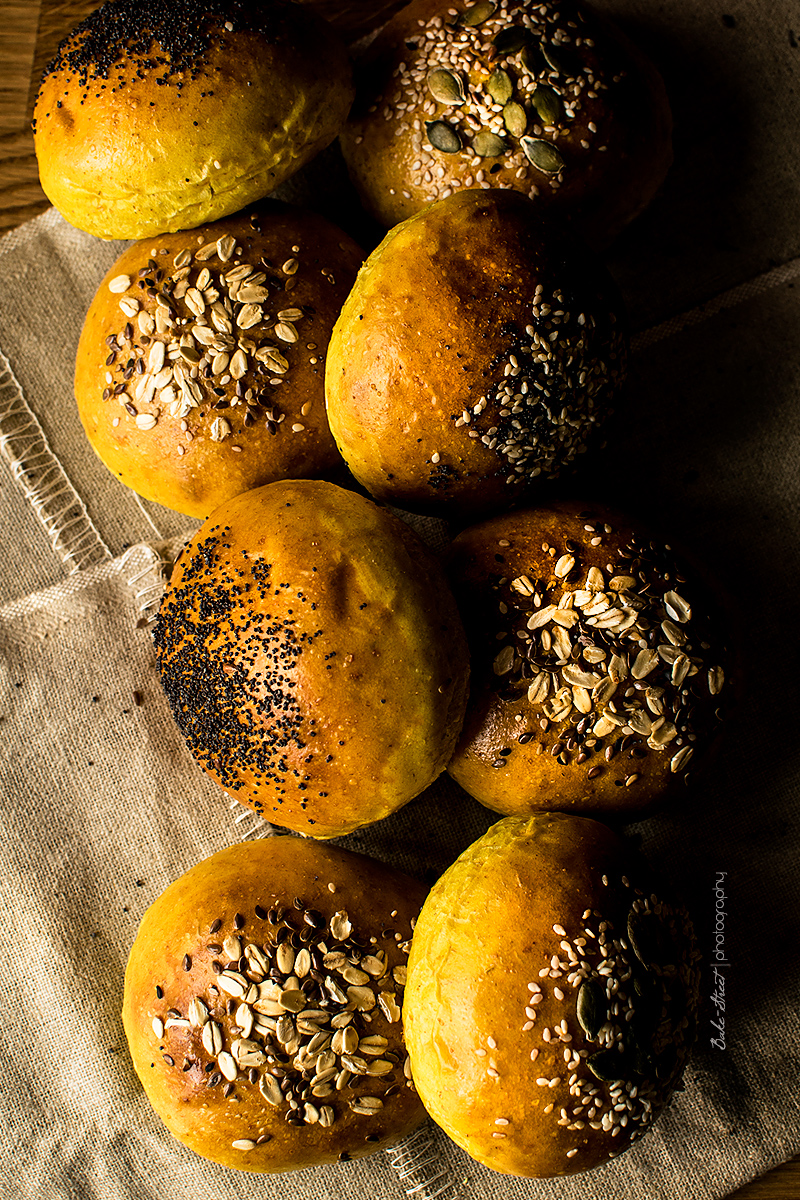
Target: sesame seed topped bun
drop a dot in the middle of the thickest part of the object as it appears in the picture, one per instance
(200, 368)
(477, 354)
(158, 115)
(552, 997)
(313, 657)
(600, 670)
(544, 97)
(263, 1005)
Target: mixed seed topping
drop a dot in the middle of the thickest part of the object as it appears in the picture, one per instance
(620, 1009)
(206, 339)
(504, 87)
(298, 1012)
(608, 664)
(554, 383)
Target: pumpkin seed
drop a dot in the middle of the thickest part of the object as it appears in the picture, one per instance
(478, 13)
(499, 85)
(542, 155)
(516, 121)
(488, 145)
(547, 104)
(646, 937)
(592, 1007)
(532, 59)
(443, 137)
(446, 87)
(649, 994)
(511, 39)
(643, 1062)
(608, 1065)
(554, 57)
(504, 661)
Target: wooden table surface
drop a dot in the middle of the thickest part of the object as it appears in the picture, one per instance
(30, 31)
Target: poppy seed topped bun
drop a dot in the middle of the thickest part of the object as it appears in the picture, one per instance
(200, 368)
(546, 98)
(313, 657)
(600, 670)
(477, 354)
(158, 115)
(552, 997)
(263, 1005)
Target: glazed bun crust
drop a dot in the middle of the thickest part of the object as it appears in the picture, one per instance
(243, 309)
(313, 657)
(476, 355)
(527, 956)
(212, 1041)
(158, 116)
(550, 100)
(606, 705)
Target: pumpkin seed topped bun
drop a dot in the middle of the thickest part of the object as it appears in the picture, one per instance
(552, 997)
(541, 96)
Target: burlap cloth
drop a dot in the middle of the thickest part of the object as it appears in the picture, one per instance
(103, 806)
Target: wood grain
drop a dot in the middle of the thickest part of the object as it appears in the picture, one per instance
(31, 32)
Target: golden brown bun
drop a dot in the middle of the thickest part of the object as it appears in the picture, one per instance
(313, 657)
(548, 99)
(477, 353)
(210, 1037)
(529, 957)
(249, 416)
(160, 115)
(609, 702)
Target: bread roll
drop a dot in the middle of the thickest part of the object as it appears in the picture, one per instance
(313, 657)
(156, 116)
(263, 1002)
(552, 997)
(200, 368)
(477, 353)
(600, 670)
(546, 98)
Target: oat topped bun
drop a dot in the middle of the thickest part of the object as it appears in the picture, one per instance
(200, 368)
(157, 115)
(552, 997)
(546, 98)
(600, 669)
(263, 1005)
